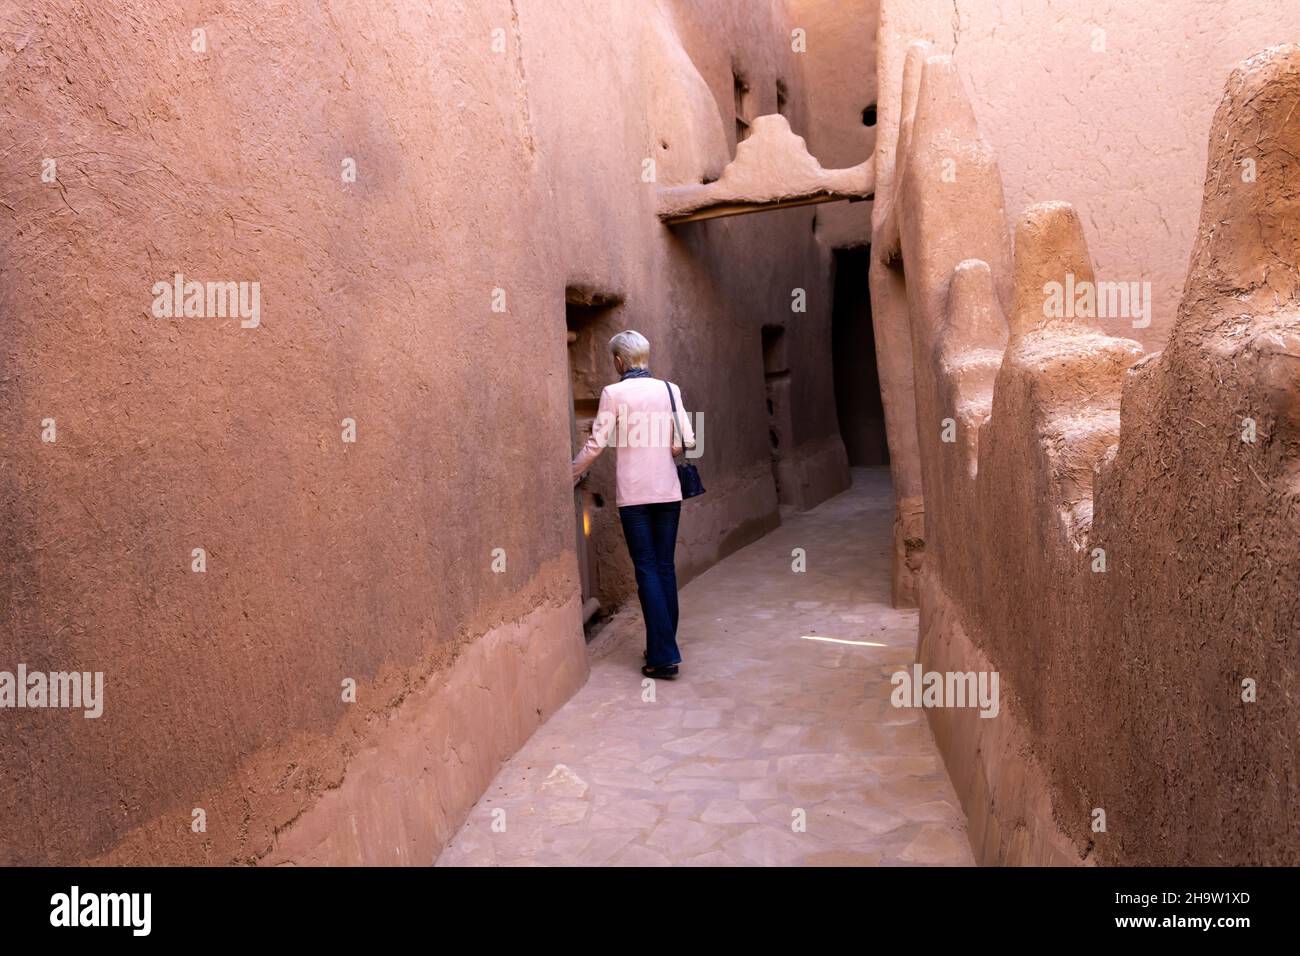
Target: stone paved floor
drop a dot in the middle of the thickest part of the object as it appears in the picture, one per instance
(763, 728)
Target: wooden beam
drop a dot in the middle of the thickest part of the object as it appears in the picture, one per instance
(744, 209)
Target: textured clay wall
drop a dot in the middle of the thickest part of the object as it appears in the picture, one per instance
(840, 68)
(1113, 533)
(498, 152)
(1099, 104)
(1104, 106)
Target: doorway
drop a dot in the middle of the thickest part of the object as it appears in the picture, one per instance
(590, 320)
(853, 356)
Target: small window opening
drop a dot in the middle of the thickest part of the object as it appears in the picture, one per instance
(741, 91)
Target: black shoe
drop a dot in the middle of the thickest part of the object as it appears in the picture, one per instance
(666, 673)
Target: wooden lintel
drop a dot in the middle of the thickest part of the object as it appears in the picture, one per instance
(742, 209)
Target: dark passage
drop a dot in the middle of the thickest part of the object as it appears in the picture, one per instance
(853, 347)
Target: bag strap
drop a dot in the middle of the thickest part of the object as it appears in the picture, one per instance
(673, 402)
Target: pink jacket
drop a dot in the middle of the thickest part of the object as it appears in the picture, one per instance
(635, 417)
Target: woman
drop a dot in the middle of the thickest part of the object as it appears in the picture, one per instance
(636, 415)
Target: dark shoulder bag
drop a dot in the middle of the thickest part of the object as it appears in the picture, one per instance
(687, 473)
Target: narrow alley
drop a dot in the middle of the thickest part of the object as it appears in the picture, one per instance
(381, 378)
(776, 746)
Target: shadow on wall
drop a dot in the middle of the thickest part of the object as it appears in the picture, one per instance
(780, 427)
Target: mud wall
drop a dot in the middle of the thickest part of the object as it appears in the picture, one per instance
(840, 67)
(1101, 105)
(1111, 532)
(413, 190)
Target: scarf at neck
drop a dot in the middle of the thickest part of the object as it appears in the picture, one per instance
(635, 373)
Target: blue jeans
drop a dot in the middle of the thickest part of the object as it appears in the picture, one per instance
(651, 533)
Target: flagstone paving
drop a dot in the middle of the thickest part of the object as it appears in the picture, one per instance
(770, 748)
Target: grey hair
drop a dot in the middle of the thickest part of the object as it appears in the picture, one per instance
(631, 346)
